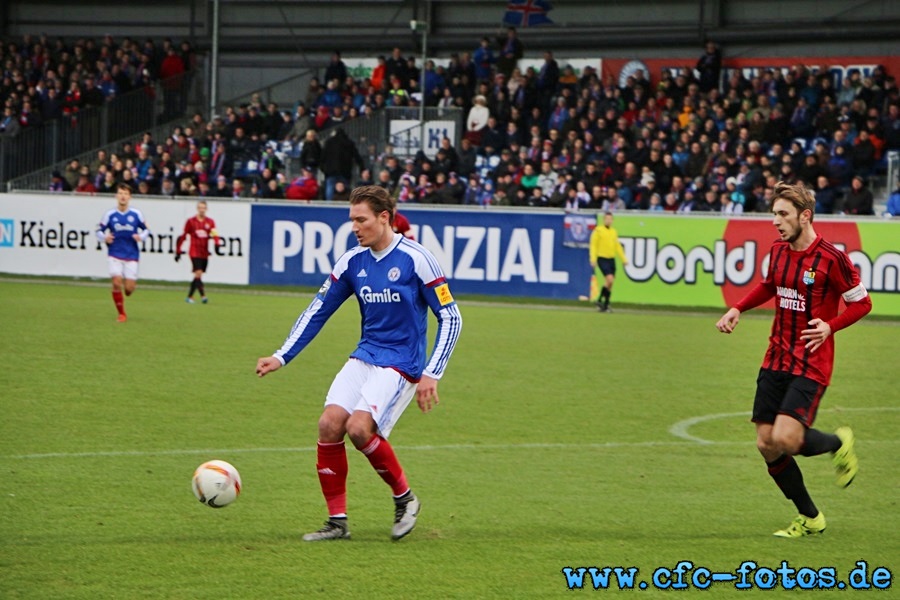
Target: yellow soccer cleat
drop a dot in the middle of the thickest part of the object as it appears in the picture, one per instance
(845, 462)
(803, 526)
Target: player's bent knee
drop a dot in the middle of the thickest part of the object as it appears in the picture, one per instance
(331, 428)
(787, 443)
(360, 430)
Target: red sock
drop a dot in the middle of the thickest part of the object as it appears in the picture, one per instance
(332, 466)
(119, 300)
(384, 461)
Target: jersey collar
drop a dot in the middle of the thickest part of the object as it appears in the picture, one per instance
(379, 255)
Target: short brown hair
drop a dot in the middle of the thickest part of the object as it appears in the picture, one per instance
(377, 197)
(797, 194)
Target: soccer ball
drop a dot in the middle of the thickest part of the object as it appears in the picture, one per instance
(216, 483)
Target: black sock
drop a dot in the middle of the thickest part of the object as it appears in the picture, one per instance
(786, 473)
(200, 287)
(817, 442)
(193, 288)
(404, 498)
(604, 296)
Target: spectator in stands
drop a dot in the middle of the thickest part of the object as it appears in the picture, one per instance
(91, 95)
(378, 74)
(9, 124)
(58, 183)
(171, 74)
(238, 189)
(825, 196)
(168, 188)
(511, 50)
(395, 68)
(893, 203)
(863, 154)
(311, 152)
(304, 187)
(222, 190)
(477, 120)
(339, 154)
(840, 171)
(858, 200)
(483, 59)
(336, 69)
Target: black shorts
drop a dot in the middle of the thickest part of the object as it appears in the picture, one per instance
(780, 393)
(607, 266)
(199, 264)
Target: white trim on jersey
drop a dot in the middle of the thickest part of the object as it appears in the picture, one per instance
(450, 324)
(427, 267)
(298, 329)
(449, 317)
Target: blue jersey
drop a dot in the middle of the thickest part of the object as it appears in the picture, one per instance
(123, 226)
(395, 289)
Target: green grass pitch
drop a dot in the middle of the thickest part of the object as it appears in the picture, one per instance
(552, 447)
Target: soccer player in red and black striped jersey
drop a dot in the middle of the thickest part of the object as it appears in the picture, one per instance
(200, 229)
(808, 277)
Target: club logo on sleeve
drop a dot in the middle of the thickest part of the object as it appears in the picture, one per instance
(394, 274)
(809, 277)
(443, 294)
(325, 287)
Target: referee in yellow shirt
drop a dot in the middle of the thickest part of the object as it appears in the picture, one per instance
(604, 248)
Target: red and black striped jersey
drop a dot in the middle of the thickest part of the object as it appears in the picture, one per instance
(200, 232)
(807, 285)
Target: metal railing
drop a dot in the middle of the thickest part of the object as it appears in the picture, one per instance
(400, 128)
(893, 170)
(285, 93)
(58, 141)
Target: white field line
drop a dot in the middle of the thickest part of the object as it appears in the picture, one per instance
(420, 448)
(680, 429)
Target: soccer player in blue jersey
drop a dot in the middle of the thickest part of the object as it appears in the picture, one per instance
(122, 229)
(396, 282)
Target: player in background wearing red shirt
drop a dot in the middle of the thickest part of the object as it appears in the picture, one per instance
(200, 229)
(401, 225)
(808, 277)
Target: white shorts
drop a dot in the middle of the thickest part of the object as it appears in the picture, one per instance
(383, 392)
(127, 269)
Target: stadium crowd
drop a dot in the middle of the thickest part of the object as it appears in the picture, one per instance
(547, 136)
(43, 79)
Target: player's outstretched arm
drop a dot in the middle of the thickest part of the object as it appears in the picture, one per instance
(426, 393)
(267, 364)
(729, 321)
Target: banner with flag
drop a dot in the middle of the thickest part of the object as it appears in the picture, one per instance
(577, 228)
(527, 13)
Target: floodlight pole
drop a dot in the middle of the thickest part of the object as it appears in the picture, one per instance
(422, 86)
(214, 67)
(423, 27)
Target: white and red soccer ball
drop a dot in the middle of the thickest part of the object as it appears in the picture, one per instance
(216, 483)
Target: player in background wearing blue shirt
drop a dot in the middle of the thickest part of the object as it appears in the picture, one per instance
(396, 282)
(122, 229)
